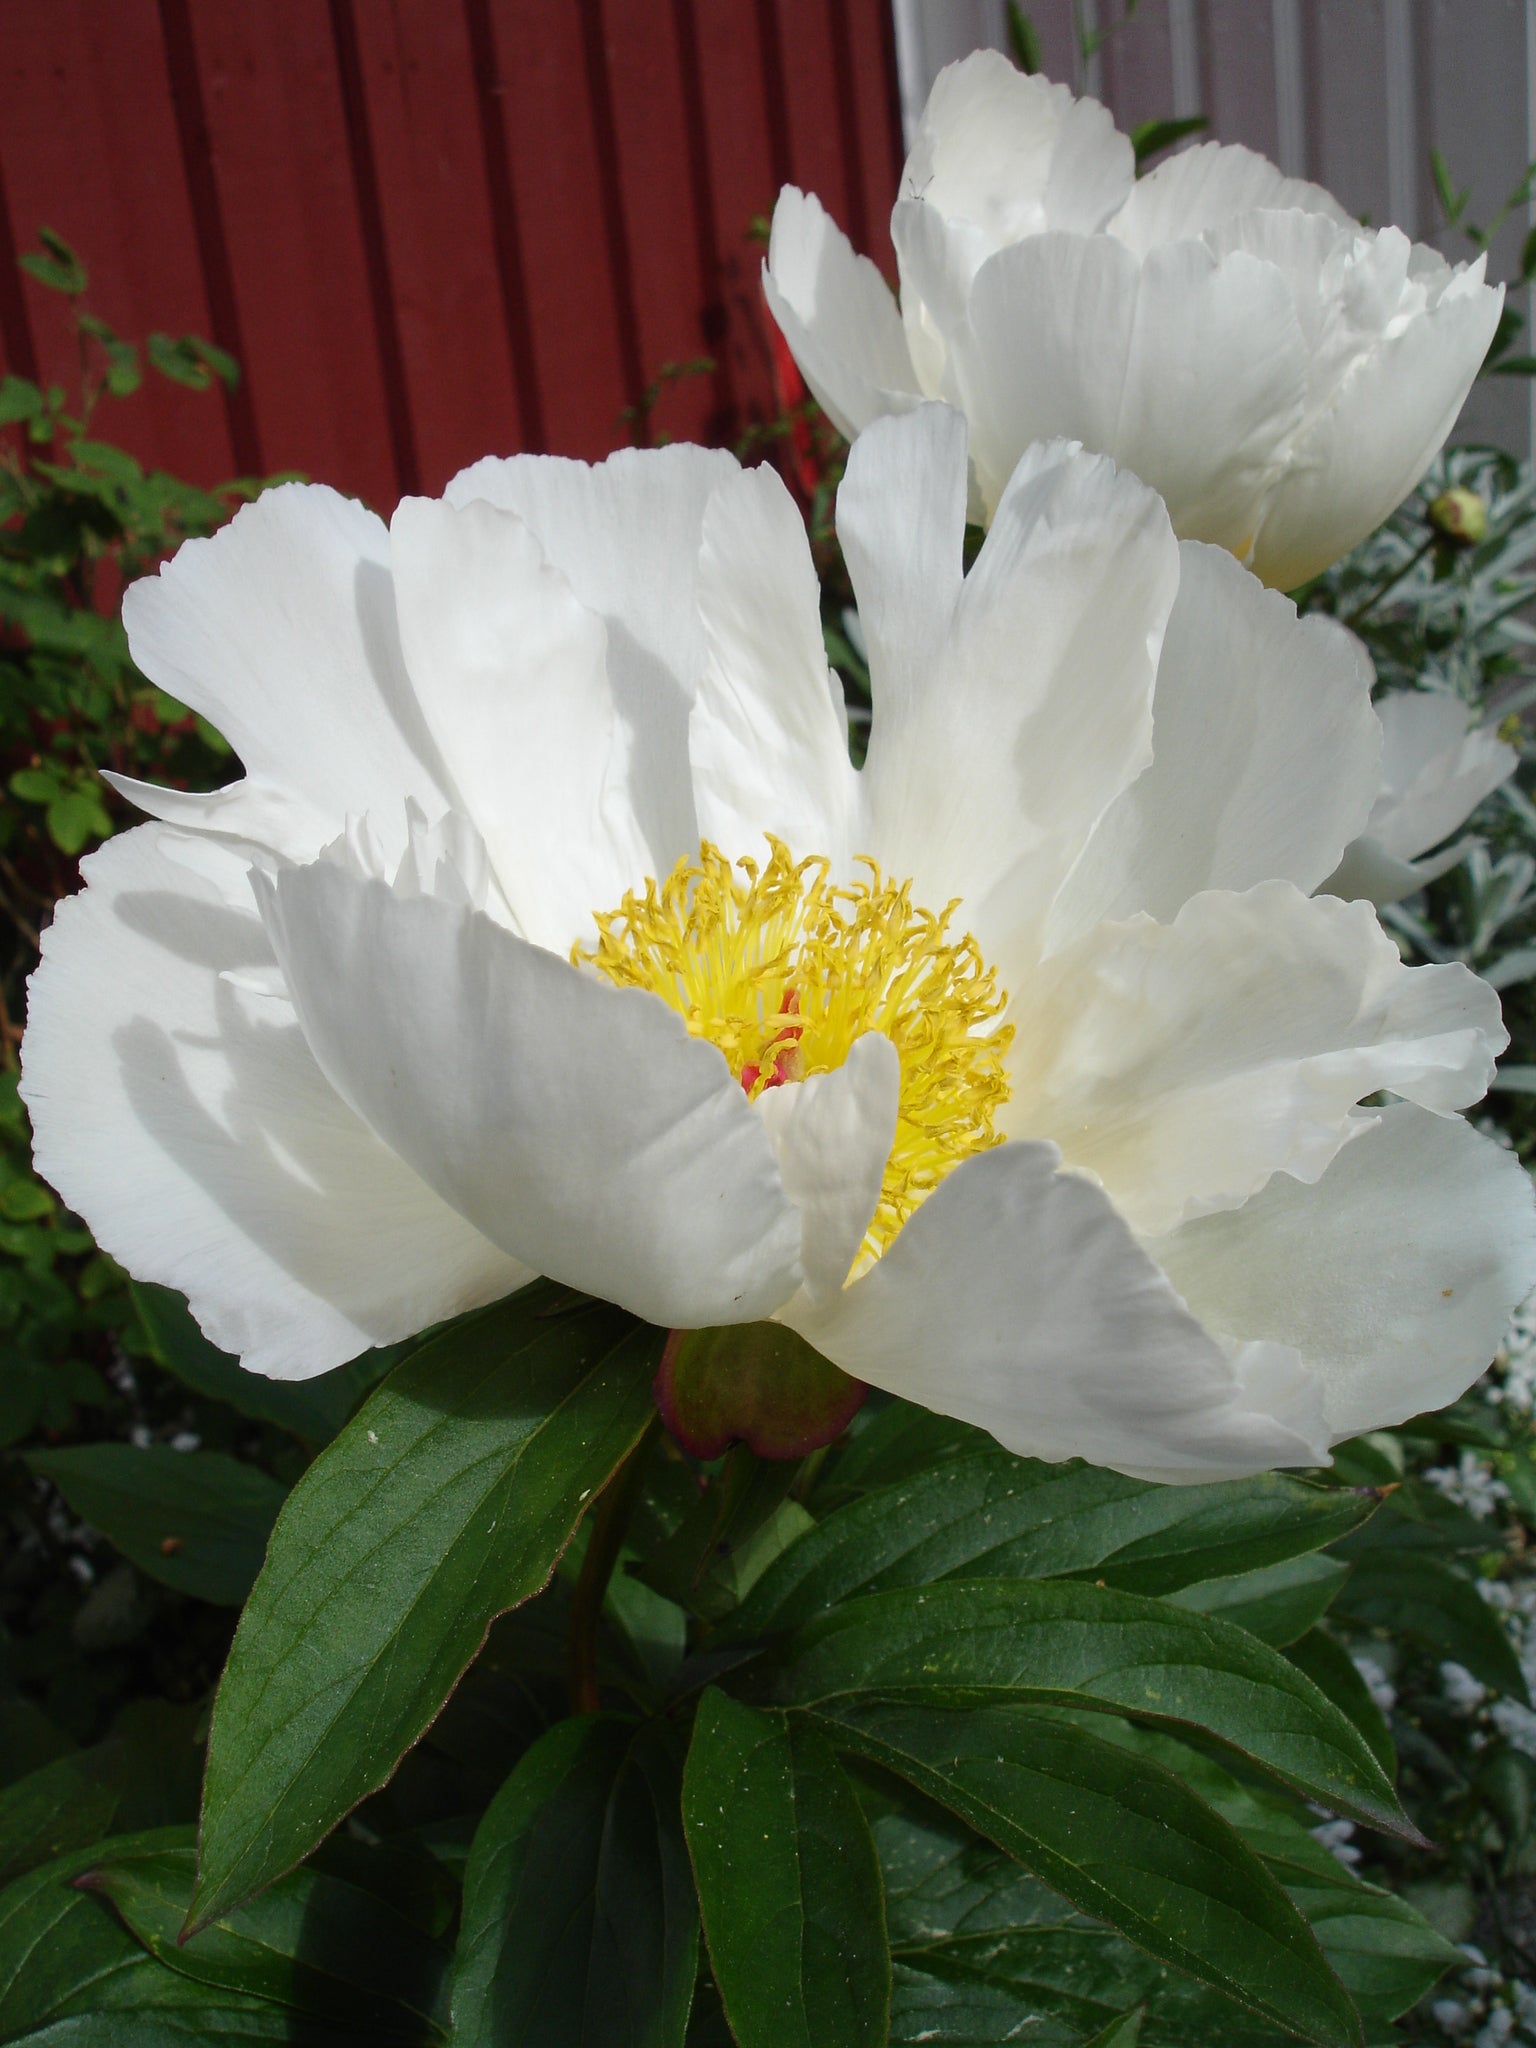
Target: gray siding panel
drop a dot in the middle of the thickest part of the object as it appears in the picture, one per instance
(1352, 93)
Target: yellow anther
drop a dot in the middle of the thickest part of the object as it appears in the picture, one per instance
(783, 969)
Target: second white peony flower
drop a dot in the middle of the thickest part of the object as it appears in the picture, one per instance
(552, 930)
(1280, 374)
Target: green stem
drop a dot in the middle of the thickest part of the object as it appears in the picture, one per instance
(1370, 602)
(610, 1519)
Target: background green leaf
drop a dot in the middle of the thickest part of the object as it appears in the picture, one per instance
(580, 1926)
(1123, 1838)
(788, 1882)
(195, 1520)
(1409, 1594)
(975, 1641)
(986, 1513)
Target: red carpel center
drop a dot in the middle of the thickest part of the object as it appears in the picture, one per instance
(781, 1055)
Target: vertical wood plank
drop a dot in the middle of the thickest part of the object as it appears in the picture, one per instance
(662, 214)
(283, 174)
(746, 162)
(818, 154)
(578, 344)
(103, 166)
(872, 97)
(418, 76)
(18, 351)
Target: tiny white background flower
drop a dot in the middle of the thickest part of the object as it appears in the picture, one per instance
(1279, 374)
(377, 1032)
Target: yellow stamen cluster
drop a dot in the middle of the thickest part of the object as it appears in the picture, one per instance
(783, 969)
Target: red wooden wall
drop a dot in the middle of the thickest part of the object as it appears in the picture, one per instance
(429, 229)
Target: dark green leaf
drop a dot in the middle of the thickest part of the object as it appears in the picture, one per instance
(1428, 1600)
(1386, 1955)
(1121, 1837)
(1369, 1461)
(35, 785)
(741, 1520)
(1024, 40)
(196, 1520)
(315, 1945)
(19, 400)
(76, 817)
(1417, 1516)
(986, 1513)
(59, 268)
(25, 1201)
(178, 359)
(978, 1945)
(1277, 1604)
(313, 1409)
(62, 1951)
(1452, 202)
(1151, 138)
(1466, 1421)
(979, 1641)
(218, 360)
(894, 1442)
(1124, 2032)
(28, 1740)
(788, 1883)
(147, 1774)
(1332, 1670)
(1384, 1952)
(996, 1991)
(446, 1501)
(580, 1927)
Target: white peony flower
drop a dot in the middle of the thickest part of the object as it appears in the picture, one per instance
(1435, 770)
(1280, 375)
(551, 930)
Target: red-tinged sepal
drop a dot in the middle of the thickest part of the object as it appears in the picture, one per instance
(756, 1384)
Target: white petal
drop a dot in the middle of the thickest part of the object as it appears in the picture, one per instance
(280, 630)
(625, 534)
(832, 1136)
(1187, 369)
(1370, 873)
(1016, 1299)
(1383, 424)
(577, 1124)
(1435, 771)
(511, 673)
(1264, 755)
(1394, 1278)
(836, 312)
(188, 1123)
(1014, 155)
(901, 527)
(766, 736)
(1038, 711)
(1207, 186)
(998, 158)
(1184, 1064)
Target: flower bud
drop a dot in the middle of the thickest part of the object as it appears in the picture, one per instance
(1461, 515)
